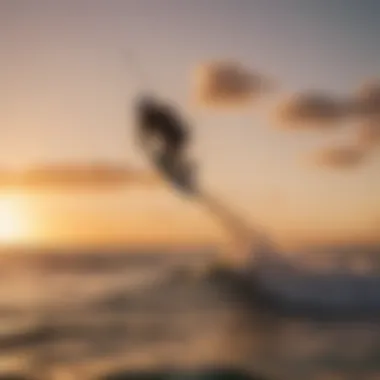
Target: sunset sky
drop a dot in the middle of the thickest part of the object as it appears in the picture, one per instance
(66, 93)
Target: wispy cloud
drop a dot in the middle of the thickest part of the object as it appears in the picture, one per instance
(225, 84)
(310, 111)
(367, 101)
(64, 177)
(366, 105)
(339, 157)
(368, 133)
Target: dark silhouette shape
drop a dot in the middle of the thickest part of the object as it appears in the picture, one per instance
(207, 374)
(158, 120)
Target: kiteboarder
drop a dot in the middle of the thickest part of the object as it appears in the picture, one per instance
(159, 122)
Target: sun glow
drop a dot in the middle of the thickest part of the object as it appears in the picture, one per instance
(13, 220)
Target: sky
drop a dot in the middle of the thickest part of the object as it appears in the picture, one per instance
(67, 87)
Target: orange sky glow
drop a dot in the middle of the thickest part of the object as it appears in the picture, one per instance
(67, 94)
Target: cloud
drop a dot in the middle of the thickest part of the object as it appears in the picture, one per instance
(367, 100)
(223, 84)
(342, 157)
(312, 110)
(369, 133)
(62, 176)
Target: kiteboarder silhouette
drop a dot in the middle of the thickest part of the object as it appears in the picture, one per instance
(164, 135)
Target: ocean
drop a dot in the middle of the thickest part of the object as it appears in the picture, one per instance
(87, 315)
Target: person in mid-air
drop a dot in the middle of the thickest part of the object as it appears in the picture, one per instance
(159, 122)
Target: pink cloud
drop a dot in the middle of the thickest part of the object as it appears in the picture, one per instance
(310, 111)
(340, 157)
(223, 84)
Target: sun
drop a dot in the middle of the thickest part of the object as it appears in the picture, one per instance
(12, 221)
